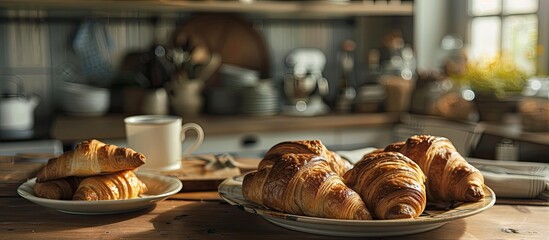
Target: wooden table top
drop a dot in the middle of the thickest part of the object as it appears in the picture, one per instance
(202, 215)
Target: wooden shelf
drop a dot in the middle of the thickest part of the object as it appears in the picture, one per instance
(294, 9)
(69, 129)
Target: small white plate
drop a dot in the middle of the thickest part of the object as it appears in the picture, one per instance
(231, 191)
(159, 187)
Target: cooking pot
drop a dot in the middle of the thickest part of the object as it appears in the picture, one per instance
(17, 110)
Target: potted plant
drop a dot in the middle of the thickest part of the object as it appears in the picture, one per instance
(497, 84)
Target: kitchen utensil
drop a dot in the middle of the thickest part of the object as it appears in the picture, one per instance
(347, 92)
(160, 138)
(185, 94)
(16, 110)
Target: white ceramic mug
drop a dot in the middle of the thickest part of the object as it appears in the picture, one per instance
(160, 138)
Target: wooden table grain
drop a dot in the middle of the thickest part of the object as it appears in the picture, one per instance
(203, 215)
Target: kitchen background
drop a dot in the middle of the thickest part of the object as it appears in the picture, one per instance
(42, 49)
(45, 48)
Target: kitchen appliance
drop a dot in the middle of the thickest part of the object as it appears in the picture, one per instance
(305, 86)
(16, 109)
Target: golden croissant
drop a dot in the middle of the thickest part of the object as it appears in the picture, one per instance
(450, 178)
(304, 184)
(114, 186)
(391, 185)
(59, 189)
(339, 165)
(91, 157)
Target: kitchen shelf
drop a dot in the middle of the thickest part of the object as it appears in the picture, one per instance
(69, 129)
(293, 9)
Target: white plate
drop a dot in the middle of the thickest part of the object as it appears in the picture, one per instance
(231, 191)
(160, 187)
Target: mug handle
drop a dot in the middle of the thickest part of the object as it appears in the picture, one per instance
(199, 139)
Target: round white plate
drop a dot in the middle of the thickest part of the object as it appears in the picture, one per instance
(160, 187)
(231, 191)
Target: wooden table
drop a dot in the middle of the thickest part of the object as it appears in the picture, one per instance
(202, 215)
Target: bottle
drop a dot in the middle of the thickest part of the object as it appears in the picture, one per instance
(346, 92)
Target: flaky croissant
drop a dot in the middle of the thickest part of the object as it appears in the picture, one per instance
(114, 186)
(391, 185)
(59, 189)
(91, 157)
(339, 165)
(450, 178)
(304, 184)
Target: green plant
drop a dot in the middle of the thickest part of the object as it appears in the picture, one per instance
(497, 77)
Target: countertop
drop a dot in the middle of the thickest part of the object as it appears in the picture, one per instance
(202, 215)
(70, 129)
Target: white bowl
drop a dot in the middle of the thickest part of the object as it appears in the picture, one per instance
(84, 100)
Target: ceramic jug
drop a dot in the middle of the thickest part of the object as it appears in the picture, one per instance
(185, 96)
(16, 109)
(155, 102)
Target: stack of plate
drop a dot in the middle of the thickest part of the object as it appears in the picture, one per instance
(237, 77)
(261, 100)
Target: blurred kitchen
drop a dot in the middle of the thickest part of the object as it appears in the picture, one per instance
(352, 73)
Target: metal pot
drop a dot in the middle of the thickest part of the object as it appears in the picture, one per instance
(17, 111)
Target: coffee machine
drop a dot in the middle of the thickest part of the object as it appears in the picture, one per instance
(304, 86)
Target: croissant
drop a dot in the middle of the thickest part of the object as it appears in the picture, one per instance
(339, 165)
(115, 186)
(304, 184)
(59, 189)
(450, 178)
(91, 157)
(391, 185)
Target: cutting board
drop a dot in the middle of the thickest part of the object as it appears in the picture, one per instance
(195, 176)
(231, 36)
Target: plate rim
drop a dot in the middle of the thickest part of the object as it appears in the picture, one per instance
(26, 191)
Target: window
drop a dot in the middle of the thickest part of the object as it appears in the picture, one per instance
(507, 27)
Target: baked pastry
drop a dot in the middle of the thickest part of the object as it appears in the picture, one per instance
(450, 178)
(115, 186)
(391, 185)
(339, 165)
(91, 157)
(59, 189)
(303, 184)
